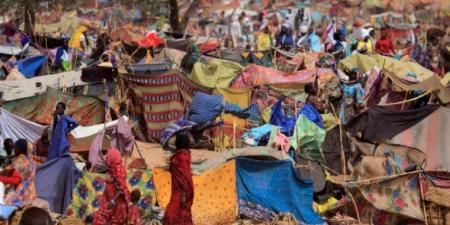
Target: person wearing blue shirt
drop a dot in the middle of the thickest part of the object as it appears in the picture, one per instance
(62, 125)
(314, 40)
(284, 39)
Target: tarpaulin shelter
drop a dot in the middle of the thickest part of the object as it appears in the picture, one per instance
(15, 127)
(400, 73)
(87, 110)
(267, 188)
(430, 135)
(216, 73)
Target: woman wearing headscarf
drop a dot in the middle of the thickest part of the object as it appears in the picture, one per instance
(20, 176)
(116, 197)
(178, 211)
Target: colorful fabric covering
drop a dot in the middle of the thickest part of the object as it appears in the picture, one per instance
(179, 126)
(278, 118)
(254, 75)
(85, 197)
(87, 110)
(273, 186)
(165, 99)
(429, 135)
(205, 108)
(29, 66)
(215, 73)
(308, 138)
(215, 199)
(398, 195)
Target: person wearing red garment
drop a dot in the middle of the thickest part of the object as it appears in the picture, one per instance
(384, 45)
(116, 197)
(178, 211)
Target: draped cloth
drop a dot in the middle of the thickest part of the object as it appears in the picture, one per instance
(177, 211)
(115, 200)
(55, 181)
(59, 145)
(15, 127)
(271, 187)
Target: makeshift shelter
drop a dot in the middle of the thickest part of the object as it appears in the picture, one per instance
(215, 73)
(87, 110)
(408, 76)
(164, 99)
(29, 66)
(215, 199)
(430, 135)
(15, 127)
(267, 188)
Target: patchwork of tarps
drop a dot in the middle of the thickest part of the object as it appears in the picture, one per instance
(272, 186)
(85, 196)
(86, 110)
(430, 135)
(15, 127)
(215, 199)
(165, 99)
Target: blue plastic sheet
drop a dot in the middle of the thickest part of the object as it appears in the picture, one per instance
(273, 185)
(29, 66)
(311, 114)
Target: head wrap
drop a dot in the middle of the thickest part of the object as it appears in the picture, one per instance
(303, 29)
(117, 171)
(364, 33)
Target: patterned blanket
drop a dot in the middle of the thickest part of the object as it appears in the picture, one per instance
(165, 99)
(215, 199)
(91, 185)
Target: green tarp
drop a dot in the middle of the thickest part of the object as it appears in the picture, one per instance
(87, 110)
(308, 139)
(215, 73)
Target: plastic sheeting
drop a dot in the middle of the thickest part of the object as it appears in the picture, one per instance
(15, 127)
(273, 185)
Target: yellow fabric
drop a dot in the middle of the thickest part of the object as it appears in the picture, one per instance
(321, 208)
(75, 41)
(148, 57)
(368, 45)
(215, 196)
(216, 73)
(265, 115)
(329, 121)
(263, 42)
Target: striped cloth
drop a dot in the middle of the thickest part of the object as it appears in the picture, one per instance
(165, 99)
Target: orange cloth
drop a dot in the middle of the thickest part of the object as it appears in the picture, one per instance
(215, 196)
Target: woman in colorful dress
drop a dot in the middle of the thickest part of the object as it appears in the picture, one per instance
(178, 211)
(116, 197)
(20, 177)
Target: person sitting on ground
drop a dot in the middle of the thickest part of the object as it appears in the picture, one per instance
(20, 175)
(178, 211)
(35, 216)
(62, 125)
(115, 199)
(384, 45)
(134, 217)
(6, 152)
